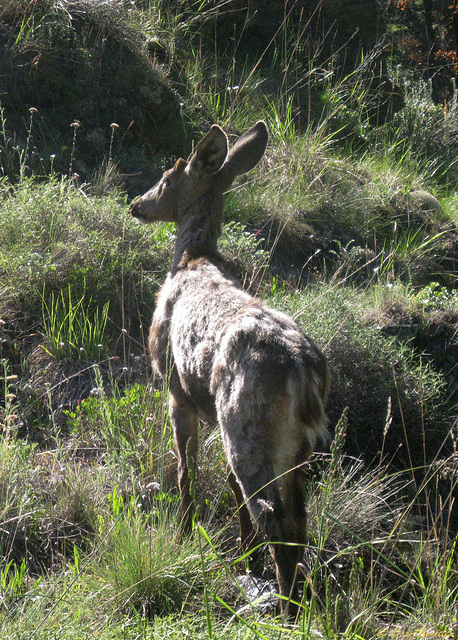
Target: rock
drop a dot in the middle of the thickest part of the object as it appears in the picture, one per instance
(260, 593)
(424, 201)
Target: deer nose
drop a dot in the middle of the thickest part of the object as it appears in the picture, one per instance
(134, 208)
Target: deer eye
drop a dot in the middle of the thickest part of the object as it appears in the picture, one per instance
(162, 185)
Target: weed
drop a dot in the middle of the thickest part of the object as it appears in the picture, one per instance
(10, 154)
(12, 582)
(147, 568)
(75, 329)
(437, 297)
(243, 247)
(9, 419)
(281, 123)
(130, 424)
(75, 126)
(32, 112)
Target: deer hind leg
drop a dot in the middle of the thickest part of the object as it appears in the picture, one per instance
(278, 522)
(281, 520)
(296, 513)
(294, 497)
(246, 527)
(183, 417)
(287, 558)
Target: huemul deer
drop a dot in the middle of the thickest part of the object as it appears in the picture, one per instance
(232, 360)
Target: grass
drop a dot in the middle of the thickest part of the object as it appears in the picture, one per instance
(370, 570)
(148, 569)
(74, 328)
(321, 229)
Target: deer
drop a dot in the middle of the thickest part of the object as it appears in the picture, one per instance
(233, 361)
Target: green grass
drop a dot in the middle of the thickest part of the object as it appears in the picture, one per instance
(75, 328)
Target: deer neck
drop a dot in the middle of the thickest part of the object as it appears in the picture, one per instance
(199, 230)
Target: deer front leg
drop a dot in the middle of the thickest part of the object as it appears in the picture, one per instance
(183, 416)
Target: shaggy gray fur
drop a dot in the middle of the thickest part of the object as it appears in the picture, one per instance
(231, 359)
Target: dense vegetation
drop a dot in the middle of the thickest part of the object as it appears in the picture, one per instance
(349, 224)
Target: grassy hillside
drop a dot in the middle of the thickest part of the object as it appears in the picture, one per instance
(348, 227)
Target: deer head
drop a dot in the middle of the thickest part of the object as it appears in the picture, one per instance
(210, 170)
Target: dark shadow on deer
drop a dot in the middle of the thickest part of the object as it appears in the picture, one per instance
(232, 360)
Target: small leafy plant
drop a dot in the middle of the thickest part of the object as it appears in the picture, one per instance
(437, 296)
(128, 422)
(243, 246)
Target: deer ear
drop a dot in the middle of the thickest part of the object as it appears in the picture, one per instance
(180, 165)
(244, 155)
(210, 153)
